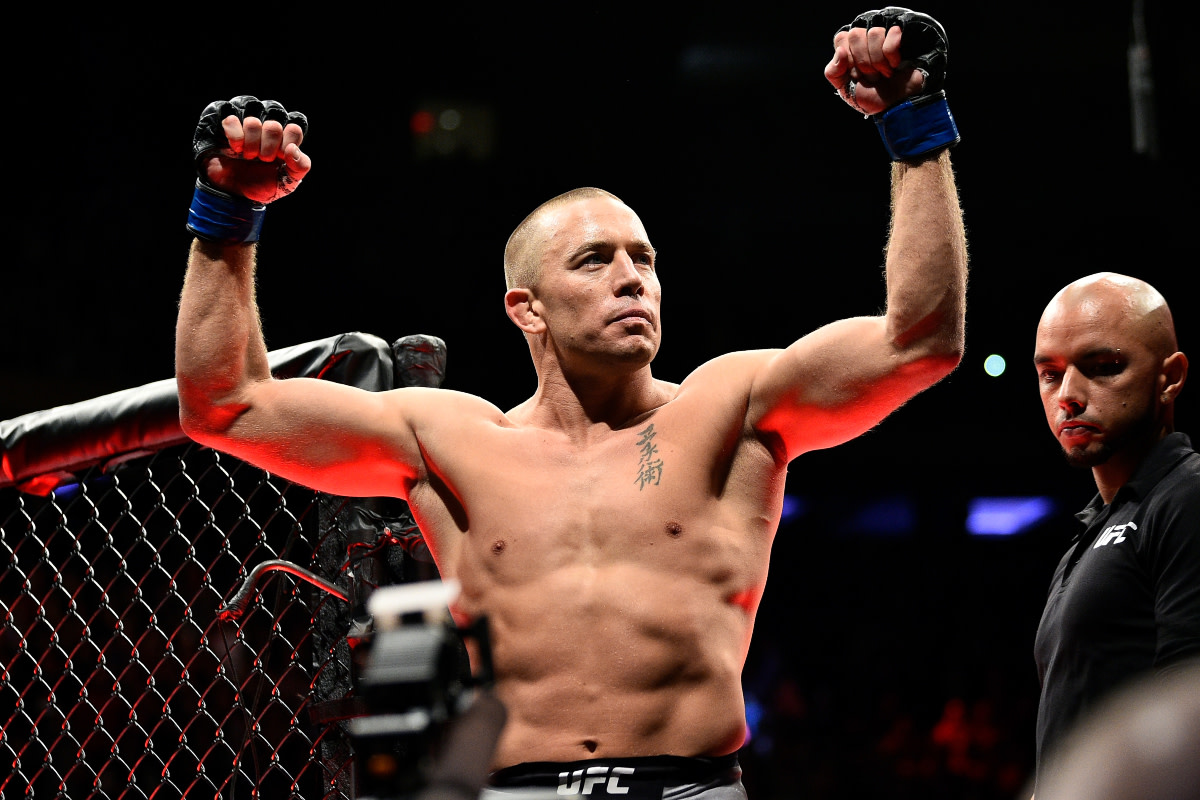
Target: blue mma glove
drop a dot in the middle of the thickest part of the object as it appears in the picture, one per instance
(216, 215)
(922, 124)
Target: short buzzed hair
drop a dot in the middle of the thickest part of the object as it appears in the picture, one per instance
(523, 253)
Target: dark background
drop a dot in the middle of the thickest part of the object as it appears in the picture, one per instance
(767, 199)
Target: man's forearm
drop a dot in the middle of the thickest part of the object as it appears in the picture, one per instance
(219, 347)
(927, 257)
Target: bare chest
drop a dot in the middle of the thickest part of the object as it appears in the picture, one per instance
(527, 503)
(612, 493)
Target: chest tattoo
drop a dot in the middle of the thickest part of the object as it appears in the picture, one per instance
(650, 466)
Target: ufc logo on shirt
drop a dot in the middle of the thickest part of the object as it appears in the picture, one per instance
(1113, 534)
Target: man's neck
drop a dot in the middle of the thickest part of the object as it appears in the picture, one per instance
(581, 407)
(1121, 467)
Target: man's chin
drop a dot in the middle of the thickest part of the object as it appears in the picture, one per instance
(1086, 458)
(636, 353)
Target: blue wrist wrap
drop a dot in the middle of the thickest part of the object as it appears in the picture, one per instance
(216, 216)
(917, 127)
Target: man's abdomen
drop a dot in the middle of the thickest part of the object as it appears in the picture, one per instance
(617, 661)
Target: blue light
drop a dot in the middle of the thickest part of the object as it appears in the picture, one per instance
(889, 516)
(754, 714)
(1002, 516)
(793, 507)
(66, 491)
(994, 365)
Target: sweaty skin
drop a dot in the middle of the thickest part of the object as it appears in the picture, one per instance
(614, 528)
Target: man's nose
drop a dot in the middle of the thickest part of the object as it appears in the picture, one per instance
(628, 278)
(1072, 392)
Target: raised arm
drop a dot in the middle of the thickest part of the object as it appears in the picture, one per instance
(248, 155)
(844, 378)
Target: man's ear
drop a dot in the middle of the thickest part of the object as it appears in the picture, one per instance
(522, 309)
(1172, 377)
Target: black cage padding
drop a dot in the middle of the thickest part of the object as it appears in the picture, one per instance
(56, 444)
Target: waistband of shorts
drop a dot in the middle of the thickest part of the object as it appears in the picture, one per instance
(668, 770)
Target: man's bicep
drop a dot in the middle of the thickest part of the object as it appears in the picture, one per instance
(834, 384)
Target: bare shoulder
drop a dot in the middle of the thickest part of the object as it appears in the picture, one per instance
(430, 408)
(719, 390)
(731, 371)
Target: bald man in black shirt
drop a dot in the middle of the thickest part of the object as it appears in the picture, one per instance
(1125, 599)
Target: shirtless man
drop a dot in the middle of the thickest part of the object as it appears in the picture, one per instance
(615, 528)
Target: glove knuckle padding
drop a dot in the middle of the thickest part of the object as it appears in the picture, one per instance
(273, 112)
(923, 44)
(253, 108)
(296, 118)
(211, 136)
(241, 103)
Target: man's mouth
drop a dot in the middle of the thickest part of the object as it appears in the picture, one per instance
(633, 314)
(1075, 428)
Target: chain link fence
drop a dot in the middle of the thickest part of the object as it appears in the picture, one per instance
(177, 623)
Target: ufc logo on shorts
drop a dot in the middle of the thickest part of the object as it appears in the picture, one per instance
(598, 781)
(1114, 534)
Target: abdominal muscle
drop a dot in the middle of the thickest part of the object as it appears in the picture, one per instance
(617, 660)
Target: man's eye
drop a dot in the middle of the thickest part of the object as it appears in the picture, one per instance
(1109, 368)
(1047, 376)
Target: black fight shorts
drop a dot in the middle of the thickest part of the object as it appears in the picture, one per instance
(650, 778)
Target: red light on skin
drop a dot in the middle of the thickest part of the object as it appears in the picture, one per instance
(422, 123)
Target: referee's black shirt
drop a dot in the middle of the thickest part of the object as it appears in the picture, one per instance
(1125, 599)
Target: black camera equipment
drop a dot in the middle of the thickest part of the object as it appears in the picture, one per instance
(431, 724)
